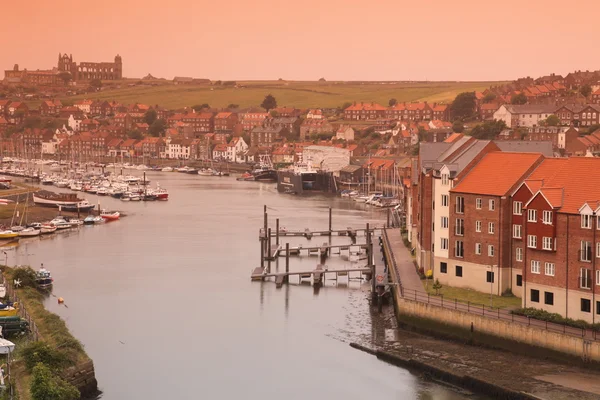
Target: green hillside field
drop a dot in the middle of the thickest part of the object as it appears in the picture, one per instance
(297, 94)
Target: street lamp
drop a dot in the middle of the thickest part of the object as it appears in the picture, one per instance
(492, 285)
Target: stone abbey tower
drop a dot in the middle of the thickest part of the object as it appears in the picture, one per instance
(90, 70)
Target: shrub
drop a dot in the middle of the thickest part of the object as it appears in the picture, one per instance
(26, 276)
(46, 386)
(555, 318)
(39, 352)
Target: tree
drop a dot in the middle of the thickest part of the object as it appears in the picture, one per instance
(552, 120)
(437, 286)
(488, 98)
(518, 98)
(269, 102)
(322, 80)
(32, 122)
(233, 105)
(135, 134)
(46, 386)
(458, 127)
(200, 107)
(158, 127)
(150, 116)
(218, 83)
(274, 114)
(463, 106)
(65, 76)
(96, 83)
(392, 102)
(585, 90)
(593, 128)
(489, 130)
(346, 105)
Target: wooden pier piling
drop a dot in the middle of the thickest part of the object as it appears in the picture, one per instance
(269, 249)
(287, 262)
(277, 231)
(330, 222)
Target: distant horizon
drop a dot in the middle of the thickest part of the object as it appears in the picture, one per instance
(340, 40)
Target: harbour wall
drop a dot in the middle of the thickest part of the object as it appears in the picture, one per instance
(491, 332)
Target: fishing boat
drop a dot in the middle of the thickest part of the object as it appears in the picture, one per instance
(89, 220)
(8, 235)
(246, 177)
(43, 278)
(161, 193)
(51, 199)
(47, 228)
(30, 232)
(82, 206)
(110, 215)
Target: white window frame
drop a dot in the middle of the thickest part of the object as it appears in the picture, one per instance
(547, 217)
(445, 179)
(456, 247)
(517, 208)
(460, 223)
(597, 277)
(492, 204)
(490, 250)
(546, 243)
(586, 221)
(478, 203)
(583, 256)
(445, 199)
(444, 244)
(531, 215)
(519, 254)
(491, 228)
(517, 231)
(535, 267)
(532, 241)
(597, 249)
(584, 279)
(549, 269)
(460, 205)
(478, 248)
(444, 222)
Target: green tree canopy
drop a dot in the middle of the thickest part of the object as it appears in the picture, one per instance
(392, 102)
(552, 120)
(46, 386)
(488, 98)
(65, 76)
(585, 90)
(200, 107)
(463, 106)
(96, 83)
(346, 105)
(158, 127)
(150, 116)
(135, 134)
(32, 122)
(518, 98)
(489, 130)
(458, 127)
(269, 102)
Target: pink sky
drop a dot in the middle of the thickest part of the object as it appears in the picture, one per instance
(306, 40)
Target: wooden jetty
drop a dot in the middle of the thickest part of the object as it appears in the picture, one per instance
(323, 250)
(318, 274)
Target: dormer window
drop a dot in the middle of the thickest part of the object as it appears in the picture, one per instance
(445, 179)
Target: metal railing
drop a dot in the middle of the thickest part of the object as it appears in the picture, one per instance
(389, 254)
(496, 313)
(35, 333)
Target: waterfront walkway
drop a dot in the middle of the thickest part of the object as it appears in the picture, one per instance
(403, 261)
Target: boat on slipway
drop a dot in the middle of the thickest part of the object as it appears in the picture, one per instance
(51, 199)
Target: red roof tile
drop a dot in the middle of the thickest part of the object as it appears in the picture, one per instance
(497, 173)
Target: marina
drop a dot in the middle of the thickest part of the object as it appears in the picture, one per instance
(110, 278)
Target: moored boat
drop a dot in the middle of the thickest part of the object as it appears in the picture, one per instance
(167, 169)
(110, 215)
(8, 234)
(89, 220)
(30, 232)
(51, 199)
(47, 228)
(43, 278)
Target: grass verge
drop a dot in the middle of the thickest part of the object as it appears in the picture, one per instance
(473, 297)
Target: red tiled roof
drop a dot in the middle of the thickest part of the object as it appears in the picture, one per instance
(440, 107)
(497, 173)
(490, 106)
(221, 147)
(554, 196)
(223, 115)
(366, 107)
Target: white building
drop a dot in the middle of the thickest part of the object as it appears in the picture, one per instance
(528, 115)
(314, 114)
(345, 132)
(84, 105)
(236, 149)
(50, 147)
(179, 149)
(74, 123)
(326, 158)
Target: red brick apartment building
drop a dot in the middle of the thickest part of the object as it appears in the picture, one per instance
(225, 122)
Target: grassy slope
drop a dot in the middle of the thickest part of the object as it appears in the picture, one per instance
(466, 295)
(298, 94)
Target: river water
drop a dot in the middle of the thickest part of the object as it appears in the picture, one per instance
(163, 303)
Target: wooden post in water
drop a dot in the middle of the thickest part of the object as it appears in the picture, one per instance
(269, 249)
(262, 253)
(287, 263)
(388, 218)
(330, 222)
(265, 219)
(277, 231)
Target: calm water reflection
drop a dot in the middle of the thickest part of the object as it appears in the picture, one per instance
(163, 302)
